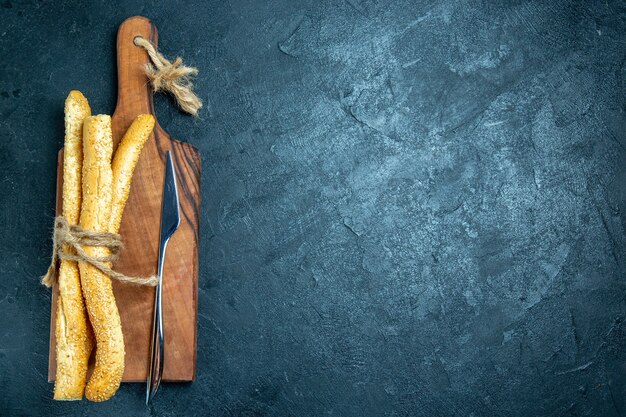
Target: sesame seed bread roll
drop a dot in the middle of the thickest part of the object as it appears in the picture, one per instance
(96, 286)
(74, 339)
(124, 162)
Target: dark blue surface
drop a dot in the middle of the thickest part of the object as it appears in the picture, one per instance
(408, 208)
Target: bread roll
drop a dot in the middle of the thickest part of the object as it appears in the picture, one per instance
(96, 286)
(74, 339)
(124, 162)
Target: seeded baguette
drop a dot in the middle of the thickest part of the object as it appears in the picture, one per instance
(96, 286)
(74, 338)
(124, 162)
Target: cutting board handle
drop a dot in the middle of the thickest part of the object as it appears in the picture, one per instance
(134, 94)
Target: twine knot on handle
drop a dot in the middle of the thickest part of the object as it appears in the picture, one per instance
(172, 77)
(67, 244)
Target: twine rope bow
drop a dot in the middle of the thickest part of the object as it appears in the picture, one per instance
(67, 244)
(172, 77)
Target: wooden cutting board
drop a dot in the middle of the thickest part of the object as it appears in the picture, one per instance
(140, 228)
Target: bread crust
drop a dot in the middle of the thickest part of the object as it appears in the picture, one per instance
(96, 286)
(73, 335)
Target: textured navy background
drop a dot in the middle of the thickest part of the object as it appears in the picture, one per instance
(409, 208)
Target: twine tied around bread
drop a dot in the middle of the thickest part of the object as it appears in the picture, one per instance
(172, 77)
(67, 244)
